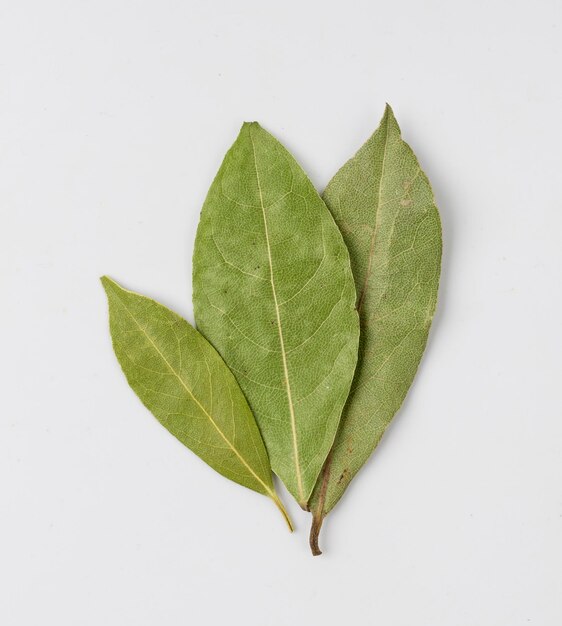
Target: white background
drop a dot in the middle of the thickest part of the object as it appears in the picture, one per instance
(114, 117)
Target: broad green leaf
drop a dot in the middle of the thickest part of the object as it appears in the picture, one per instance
(384, 206)
(273, 292)
(184, 382)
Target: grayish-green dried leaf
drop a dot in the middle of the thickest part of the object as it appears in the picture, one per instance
(184, 382)
(273, 292)
(384, 206)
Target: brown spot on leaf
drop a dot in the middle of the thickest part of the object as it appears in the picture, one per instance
(343, 475)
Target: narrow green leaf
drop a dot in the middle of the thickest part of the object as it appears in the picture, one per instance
(384, 206)
(184, 382)
(273, 292)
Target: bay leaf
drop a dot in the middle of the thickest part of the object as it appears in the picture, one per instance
(186, 385)
(274, 293)
(383, 203)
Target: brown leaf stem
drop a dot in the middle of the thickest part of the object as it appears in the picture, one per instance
(314, 532)
(318, 515)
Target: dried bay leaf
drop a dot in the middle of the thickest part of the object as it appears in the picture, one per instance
(186, 385)
(384, 206)
(274, 293)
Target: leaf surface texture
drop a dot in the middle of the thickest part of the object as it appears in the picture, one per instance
(184, 382)
(274, 293)
(384, 206)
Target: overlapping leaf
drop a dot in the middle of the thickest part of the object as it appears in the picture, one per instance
(274, 293)
(184, 382)
(384, 206)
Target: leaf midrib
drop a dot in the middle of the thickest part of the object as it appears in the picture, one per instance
(201, 407)
(377, 224)
(280, 331)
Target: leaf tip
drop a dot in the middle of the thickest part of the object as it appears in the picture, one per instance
(107, 282)
(388, 113)
(389, 120)
(109, 285)
(247, 127)
(246, 130)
